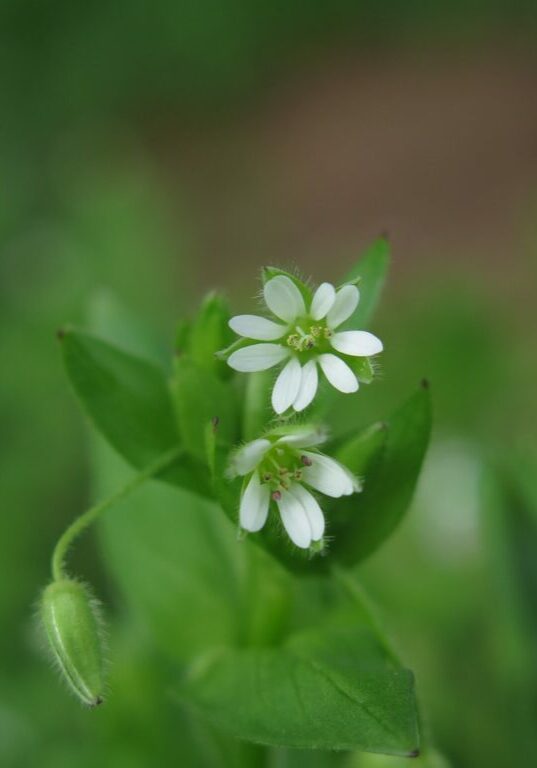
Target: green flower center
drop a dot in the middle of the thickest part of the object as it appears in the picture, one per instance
(281, 466)
(307, 338)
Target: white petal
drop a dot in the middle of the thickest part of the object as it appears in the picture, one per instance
(338, 373)
(295, 520)
(312, 508)
(328, 476)
(258, 328)
(247, 458)
(357, 343)
(254, 505)
(283, 298)
(323, 300)
(286, 386)
(257, 357)
(307, 437)
(308, 386)
(346, 302)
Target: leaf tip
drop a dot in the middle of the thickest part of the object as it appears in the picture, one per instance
(385, 235)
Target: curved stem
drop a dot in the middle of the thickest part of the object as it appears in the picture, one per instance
(88, 517)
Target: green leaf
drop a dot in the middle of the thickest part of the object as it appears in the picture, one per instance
(372, 269)
(428, 759)
(126, 396)
(200, 397)
(210, 332)
(360, 451)
(365, 520)
(128, 401)
(333, 688)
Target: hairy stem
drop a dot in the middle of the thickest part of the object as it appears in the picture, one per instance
(87, 518)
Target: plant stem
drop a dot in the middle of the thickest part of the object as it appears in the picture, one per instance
(88, 517)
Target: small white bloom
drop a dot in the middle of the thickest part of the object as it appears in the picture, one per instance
(305, 338)
(279, 470)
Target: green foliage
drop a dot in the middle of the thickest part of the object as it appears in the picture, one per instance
(126, 396)
(370, 271)
(129, 402)
(329, 688)
(200, 397)
(391, 456)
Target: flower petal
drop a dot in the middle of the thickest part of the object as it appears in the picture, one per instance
(254, 505)
(283, 298)
(329, 476)
(357, 343)
(295, 520)
(308, 386)
(286, 386)
(246, 458)
(338, 373)
(312, 508)
(323, 300)
(258, 328)
(305, 437)
(257, 357)
(347, 299)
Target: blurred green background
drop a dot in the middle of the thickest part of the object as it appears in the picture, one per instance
(155, 150)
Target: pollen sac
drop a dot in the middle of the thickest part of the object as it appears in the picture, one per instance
(72, 627)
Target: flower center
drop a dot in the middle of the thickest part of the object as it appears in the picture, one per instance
(280, 467)
(304, 340)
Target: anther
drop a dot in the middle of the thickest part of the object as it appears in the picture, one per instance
(306, 461)
(267, 477)
(276, 495)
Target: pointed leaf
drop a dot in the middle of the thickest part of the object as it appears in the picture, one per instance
(210, 332)
(372, 269)
(128, 401)
(365, 520)
(200, 397)
(325, 689)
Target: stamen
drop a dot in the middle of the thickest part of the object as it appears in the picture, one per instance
(276, 495)
(306, 461)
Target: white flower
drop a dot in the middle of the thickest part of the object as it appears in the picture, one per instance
(305, 338)
(278, 469)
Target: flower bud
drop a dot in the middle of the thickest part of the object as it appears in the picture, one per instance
(72, 625)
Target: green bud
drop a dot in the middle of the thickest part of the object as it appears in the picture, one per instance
(72, 626)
